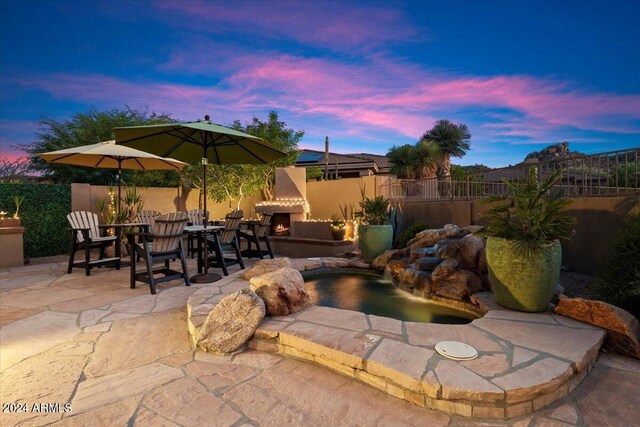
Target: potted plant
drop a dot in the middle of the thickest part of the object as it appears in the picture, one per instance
(523, 245)
(338, 229)
(374, 235)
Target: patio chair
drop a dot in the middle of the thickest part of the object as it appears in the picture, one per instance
(258, 232)
(166, 246)
(148, 217)
(225, 239)
(87, 234)
(196, 217)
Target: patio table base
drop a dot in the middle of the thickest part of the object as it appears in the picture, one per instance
(205, 278)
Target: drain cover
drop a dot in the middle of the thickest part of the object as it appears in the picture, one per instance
(456, 350)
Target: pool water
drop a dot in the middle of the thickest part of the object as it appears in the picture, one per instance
(372, 294)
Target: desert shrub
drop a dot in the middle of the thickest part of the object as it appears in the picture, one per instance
(409, 233)
(620, 283)
(43, 214)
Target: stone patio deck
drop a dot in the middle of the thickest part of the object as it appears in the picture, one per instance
(123, 357)
(526, 360)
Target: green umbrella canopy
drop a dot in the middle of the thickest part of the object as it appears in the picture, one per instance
(190, 142)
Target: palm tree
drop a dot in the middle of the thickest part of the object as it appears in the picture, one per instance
(453, 140)
(427, 155)
(402, 161)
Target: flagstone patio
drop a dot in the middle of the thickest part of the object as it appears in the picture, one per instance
(123, 356)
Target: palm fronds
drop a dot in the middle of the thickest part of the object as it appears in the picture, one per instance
(532, 214)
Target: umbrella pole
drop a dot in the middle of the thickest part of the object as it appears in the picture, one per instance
(206, 277)
(119, 187)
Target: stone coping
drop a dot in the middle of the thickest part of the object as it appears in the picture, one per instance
(526, 360)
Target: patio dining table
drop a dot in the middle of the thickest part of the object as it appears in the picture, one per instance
(199, 230)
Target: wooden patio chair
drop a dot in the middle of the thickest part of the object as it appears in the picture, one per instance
(87, 234)
(225, 239)
(196, 217)
(163, 244)
(258, 232)
(148, 216)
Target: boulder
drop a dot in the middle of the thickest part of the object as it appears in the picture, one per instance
(380, 262)
(623, 329)
(427, 263)
(470, 247)
(444, 269)
(432, 236)
(265, 266)
(454, 287)
(232, 322)
(283, 291)
(396, 266)
(448, 248)
(482, 260)
(472, 229)
(416, 253)
(474, 283)
(410, 277)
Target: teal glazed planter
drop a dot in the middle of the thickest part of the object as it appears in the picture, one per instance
(519, 282)
(373, 240)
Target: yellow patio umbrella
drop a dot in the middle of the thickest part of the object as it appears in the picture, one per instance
(108, 155)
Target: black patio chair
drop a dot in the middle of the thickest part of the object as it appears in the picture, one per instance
(162, 245)
(258, 232)
(226, 238)
(87, 234)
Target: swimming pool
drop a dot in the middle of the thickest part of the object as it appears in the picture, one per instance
(370, 293)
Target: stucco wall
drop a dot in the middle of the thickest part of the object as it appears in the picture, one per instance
(325, 197)
(162, 199)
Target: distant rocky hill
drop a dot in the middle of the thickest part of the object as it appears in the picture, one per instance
(552, 152)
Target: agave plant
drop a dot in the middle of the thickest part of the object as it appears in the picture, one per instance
(375, 211)
(531, 214)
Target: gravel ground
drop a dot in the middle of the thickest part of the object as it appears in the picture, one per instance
(576, 284)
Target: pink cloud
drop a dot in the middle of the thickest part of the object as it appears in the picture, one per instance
(363, 98)
(332, 24)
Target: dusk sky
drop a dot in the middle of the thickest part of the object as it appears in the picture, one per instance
(520, 74)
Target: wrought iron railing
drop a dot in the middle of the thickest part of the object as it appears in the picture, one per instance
(605, 174)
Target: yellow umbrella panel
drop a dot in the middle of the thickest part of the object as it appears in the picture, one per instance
(108, 155)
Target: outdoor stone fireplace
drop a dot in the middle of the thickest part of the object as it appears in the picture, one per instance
(290, 204)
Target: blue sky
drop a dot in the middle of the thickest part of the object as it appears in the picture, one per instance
(520, 74)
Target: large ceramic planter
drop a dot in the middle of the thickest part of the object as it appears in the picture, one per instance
(373, 240)
(521, 282)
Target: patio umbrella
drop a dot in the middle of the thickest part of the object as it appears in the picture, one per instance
(108, 155)
(203, 142)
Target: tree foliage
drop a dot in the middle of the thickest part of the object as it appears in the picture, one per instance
(414, 161)
(620, 283)
(236, 182)
(83, 129)
(453, 141)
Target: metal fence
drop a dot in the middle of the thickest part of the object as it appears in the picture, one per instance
(605, 174)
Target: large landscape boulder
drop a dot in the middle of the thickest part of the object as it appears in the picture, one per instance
(283, 291)
(445, 268)
(453, 286)
(232, 322)
(380, 262)
(432, 236)
(428, 263)
(470, 247)
(265, 266)
(623, 329)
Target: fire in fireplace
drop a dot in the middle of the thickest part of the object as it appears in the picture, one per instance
(281, 224)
